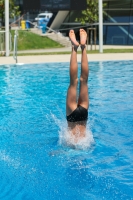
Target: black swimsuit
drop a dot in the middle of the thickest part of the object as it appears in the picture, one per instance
(79, 114)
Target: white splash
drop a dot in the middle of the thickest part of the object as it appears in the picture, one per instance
(9, 160)
(66, 137)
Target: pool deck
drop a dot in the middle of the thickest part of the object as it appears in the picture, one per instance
(63, 58)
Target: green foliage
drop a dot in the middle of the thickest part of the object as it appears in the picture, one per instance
(28, 40)
(13, 10)
(90, 15)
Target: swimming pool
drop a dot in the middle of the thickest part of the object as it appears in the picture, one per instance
(34, 161)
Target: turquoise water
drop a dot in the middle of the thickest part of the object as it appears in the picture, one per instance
(35, 161)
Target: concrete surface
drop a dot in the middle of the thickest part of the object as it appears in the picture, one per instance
(64, 58)
(68, 49)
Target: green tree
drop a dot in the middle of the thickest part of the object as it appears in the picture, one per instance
(90, 15)
(13, 10)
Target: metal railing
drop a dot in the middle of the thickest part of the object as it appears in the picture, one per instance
(15, 46)
(2, 42)
(50, 29)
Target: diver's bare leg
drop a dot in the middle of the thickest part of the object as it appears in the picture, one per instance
(83, 95)
(71, 101)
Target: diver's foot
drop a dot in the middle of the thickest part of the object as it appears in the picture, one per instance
(83, 38)
(74, 42)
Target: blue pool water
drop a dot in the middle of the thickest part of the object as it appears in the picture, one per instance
(36, 163)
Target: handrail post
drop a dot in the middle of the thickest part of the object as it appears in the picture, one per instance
(15, 46)
(101, 26)
(7, 26)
